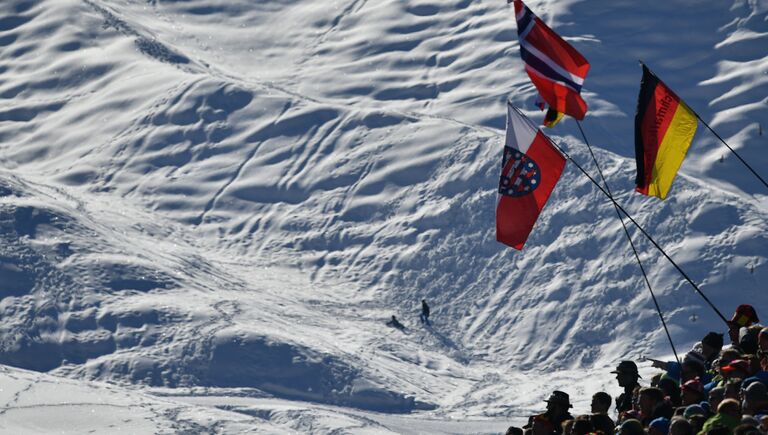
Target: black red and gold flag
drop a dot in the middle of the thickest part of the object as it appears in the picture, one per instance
(664, 129)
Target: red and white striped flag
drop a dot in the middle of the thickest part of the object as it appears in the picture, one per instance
(554, 66)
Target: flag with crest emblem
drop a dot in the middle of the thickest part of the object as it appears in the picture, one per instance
(530, 168)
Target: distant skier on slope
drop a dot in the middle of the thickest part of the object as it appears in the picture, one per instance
(394, 323)
(424, 316)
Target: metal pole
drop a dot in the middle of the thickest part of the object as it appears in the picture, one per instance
(631, 244)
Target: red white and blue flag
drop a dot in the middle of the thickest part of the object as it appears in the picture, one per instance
(554, 66)
(530, 169)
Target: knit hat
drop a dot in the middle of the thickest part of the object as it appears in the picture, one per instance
(737, 364)
(717, 393)
(763, 333)
(756, 393)
(661, 425)
(693, 410)
(632, 426)
(748, 381)
(750, 420)
(694, 357)
(693, 385)
(745, 315)
(714, 340)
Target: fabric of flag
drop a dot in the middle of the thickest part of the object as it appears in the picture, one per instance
(530, 168)
(664, 129)
(552, 117)
(554, 66)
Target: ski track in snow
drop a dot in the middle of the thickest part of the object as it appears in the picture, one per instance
(215, 207)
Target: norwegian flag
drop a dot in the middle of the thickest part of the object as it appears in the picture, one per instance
(530, 169)
(554, 66)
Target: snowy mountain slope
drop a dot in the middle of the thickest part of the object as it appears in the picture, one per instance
(238, 195)
(160, 313)
(41, 403)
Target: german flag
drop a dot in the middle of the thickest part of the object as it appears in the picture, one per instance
(664, 129)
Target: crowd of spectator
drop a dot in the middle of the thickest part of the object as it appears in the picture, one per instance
(714, 390)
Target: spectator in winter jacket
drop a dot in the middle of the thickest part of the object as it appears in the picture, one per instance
(553, 418)
(631, 426)
(582, 426)
(729, 355)
(737, 369)
(650, 399)
(659, 426)
(558, 405)
(680, 426)
(697, 421)
(748, 338)
(753, 362)
(540, 425)
(601, 403)
(711, 345)
(744, 316)
(603, 423)
(762, 340)
(763, 424)
(694, 369)
(716, 395)
(671, 390)
(726, 357)
(728, 415)
(733, 389)
(627, 376)
(693, 366)
(694, 409)
(693, 392)
(747, 429)
(755, 401)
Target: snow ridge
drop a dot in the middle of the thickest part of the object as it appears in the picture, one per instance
(235, 197)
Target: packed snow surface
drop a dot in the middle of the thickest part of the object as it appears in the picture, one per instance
(208, 210)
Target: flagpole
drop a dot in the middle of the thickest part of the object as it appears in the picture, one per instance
(645, 233)
(631, 244)
(634, 222)
(718, 136)
(648, 236)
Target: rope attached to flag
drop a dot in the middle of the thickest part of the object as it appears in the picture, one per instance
(732, 150)
(648, 236)
(631, 244)
(631, 219)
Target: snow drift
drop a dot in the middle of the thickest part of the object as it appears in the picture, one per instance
(237, 195)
